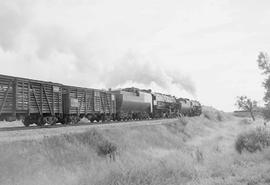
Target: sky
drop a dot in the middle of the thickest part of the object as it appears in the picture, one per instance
(199, 49)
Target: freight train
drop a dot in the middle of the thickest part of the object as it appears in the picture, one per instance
(41, 102)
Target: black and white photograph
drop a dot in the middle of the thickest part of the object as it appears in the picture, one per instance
(125, 92)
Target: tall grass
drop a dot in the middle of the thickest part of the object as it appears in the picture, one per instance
(153, 155)
(245, 121)
(214, 114)
(52, 158)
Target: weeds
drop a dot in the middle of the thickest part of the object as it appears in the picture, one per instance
(94, 139)
(153, 174)
(106, 148)
(198, 155)
(178, 127)
(153, 155)
(215, 115)
(253, 141)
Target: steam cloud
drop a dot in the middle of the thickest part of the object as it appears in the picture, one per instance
(140, 70)
(42, 40)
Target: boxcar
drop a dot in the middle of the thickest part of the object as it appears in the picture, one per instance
(133, 104)
(164, 105)
(93, 104)
(33, 101)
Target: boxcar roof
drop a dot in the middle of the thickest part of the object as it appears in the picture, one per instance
(28, 79)
(84, 88)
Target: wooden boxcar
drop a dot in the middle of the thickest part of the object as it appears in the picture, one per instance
(90, 103)
(33, 101)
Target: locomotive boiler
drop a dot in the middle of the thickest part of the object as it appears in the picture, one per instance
(164, 106)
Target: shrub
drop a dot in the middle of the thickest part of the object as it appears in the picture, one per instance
(106, 148)
(215, 115)
(93, 139)
(253, 140)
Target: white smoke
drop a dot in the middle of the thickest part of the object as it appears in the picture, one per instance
(72, 42)
(135, 69)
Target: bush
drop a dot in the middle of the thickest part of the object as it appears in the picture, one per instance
(253, 141)
(93, 139)
(106, 148)
(215, 115)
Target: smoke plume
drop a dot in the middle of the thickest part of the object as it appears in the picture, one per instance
(75, 44)
(136, 69)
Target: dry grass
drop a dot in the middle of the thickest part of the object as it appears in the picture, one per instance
(214, 114)
(154, 155)
(245, 121)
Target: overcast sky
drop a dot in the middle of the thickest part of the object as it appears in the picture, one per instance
(202, 49)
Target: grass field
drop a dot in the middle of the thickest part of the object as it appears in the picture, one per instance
(189, 151)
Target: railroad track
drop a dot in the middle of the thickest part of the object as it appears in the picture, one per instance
(58, 125)
(37, 132)
(82, 123)
(11, 134)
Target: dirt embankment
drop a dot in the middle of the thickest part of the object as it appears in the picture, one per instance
(188, 151)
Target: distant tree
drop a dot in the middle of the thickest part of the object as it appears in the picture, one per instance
(263, 62)
(246, 104)
(264, 65)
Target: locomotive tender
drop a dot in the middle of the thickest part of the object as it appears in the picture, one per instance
(40, 102)
(133, 104)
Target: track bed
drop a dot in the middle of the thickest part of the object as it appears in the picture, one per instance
(9, 134)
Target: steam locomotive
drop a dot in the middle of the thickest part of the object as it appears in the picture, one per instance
(41, 102)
